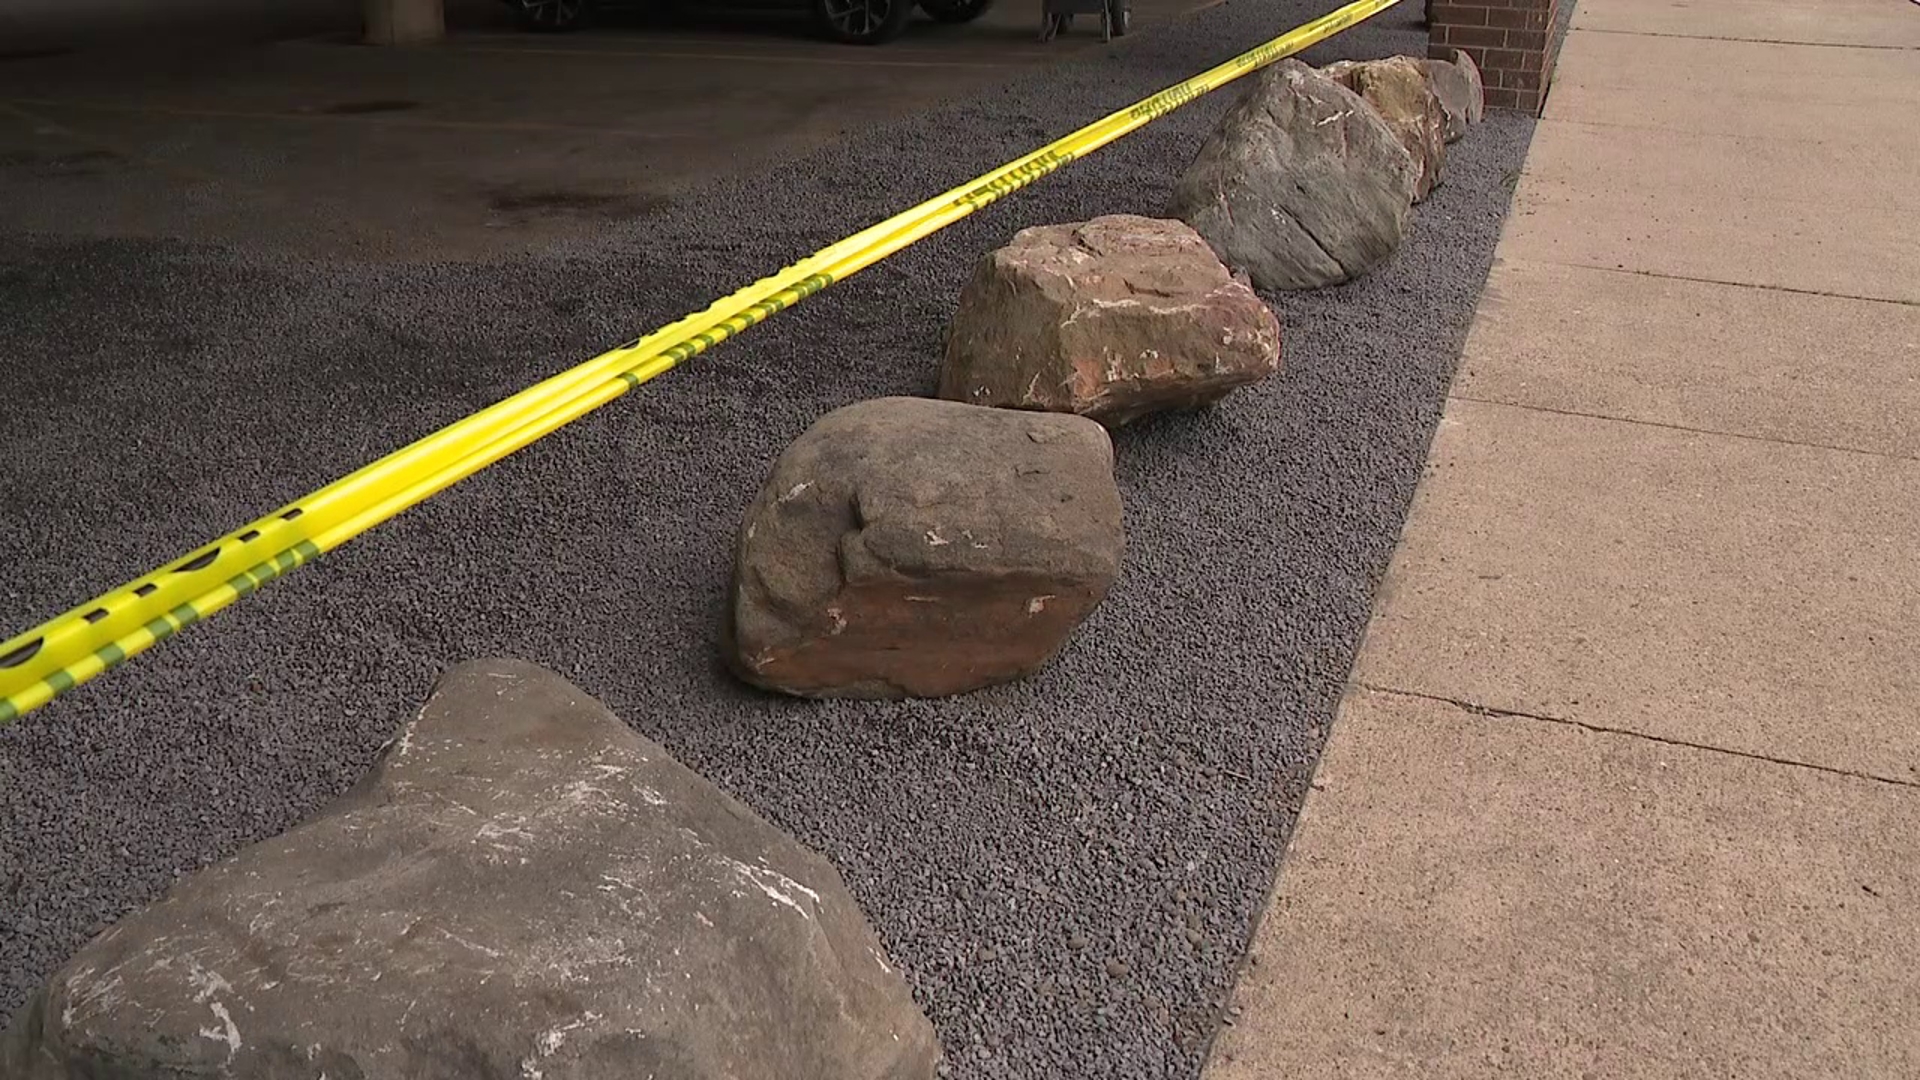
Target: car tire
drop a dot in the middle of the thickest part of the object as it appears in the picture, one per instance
(550, 16)
(863, 22)
(955, 11)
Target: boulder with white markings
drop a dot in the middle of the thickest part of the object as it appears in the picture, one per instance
(524, 888)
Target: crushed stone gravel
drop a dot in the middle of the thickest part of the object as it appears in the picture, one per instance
(1066, 868)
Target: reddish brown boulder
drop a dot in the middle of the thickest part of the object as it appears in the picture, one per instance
(1399, 90)
(1112, 318)
(904, 547)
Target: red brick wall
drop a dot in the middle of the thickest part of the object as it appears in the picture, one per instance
(1511, 40)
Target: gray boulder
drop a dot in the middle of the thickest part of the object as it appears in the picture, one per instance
(1461, 99)
(910, 547)
(1477, 98)
(1400, 90)
(1300, 184)
(1112, 318)
(524, 888)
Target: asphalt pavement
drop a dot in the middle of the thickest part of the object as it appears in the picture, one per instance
(1067, 868)
(489, 144)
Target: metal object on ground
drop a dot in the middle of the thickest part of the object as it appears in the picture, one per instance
(1056, 16)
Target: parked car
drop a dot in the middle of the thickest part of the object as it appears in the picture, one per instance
(857, 22)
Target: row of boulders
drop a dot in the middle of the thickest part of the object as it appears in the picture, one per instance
(524, 887)
(912, 547)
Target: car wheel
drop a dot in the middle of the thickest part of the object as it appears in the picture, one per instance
(550, 15)
(1119, 17)
(955, 11)
(863, 22)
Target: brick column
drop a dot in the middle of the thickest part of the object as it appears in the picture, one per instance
(1511, 40)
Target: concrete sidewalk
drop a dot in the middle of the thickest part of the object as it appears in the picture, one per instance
(1627, 783)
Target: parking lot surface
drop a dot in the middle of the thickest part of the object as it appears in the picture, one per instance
(494, 142)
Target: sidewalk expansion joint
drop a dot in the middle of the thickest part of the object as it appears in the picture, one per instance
(1719, 432)
(1829, 294)
(1747, 40)
(1498, 713)
(1796, 139)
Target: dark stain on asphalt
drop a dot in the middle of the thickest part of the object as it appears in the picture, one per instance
(584, 203)
(46, 53)
(72, 163)
(365, 108)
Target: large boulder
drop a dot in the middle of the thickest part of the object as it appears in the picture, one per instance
(911, 547)
(1112, 318)
(1300, 184)
(1457, 84)
(1400, 91)
(523, 888)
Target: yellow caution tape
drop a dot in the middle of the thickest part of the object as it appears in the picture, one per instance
(58, 655)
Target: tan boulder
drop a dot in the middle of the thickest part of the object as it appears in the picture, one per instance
(1399, 90)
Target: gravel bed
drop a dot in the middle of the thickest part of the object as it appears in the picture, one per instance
(1067, 868)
